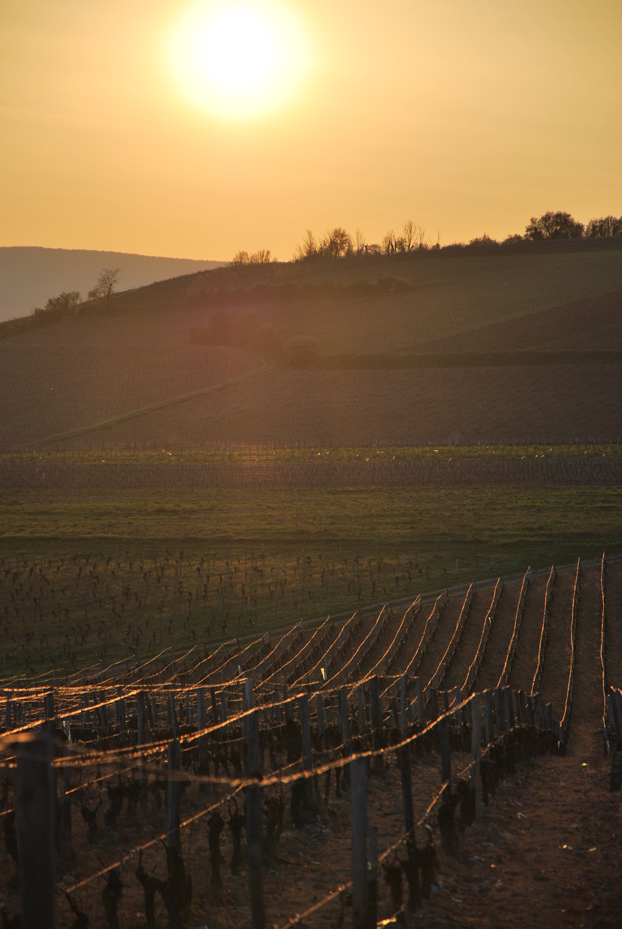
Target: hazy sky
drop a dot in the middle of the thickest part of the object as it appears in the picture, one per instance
(467, 117)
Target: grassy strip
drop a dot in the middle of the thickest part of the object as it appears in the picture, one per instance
(257, 454)
(347, 361)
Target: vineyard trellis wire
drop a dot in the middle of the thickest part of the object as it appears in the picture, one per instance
(134, 744)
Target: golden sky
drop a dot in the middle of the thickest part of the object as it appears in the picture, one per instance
(467, 116)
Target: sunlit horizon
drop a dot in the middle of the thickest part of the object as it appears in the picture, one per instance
(468, 120)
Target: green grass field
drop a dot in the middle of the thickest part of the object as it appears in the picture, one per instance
(110, 574)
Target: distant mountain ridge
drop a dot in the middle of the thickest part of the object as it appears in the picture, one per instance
(29, 275)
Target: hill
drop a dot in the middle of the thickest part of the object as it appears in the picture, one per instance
(161, 341)
(448, 292)
(593, 323)
(30, 275)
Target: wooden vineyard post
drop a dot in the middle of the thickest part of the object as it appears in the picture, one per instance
(372, 879)
(488, 731)
(254, 852)
(360, 692)
(172, 715)
(420, 701)
(35, 828)
(457, 702)
(443, 734)
(141, 718)
(344, 714)
(434, 713)
(305, 731)
(509, 709)
(403, 689)
(64, 807)
(476, 738)
(201, 709)
(358, 787)
(254, 802)
(202, 724)
(321, 723)
(173, 839)
(518, 707)
(501, 724)
(407, 793)
(376, 708)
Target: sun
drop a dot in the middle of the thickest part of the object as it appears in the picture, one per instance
(239, 59)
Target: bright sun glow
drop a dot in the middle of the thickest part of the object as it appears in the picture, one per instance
(239, 58)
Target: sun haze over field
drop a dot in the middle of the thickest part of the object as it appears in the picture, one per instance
(198, 129)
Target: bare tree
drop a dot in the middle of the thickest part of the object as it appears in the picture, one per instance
(388, 243)
(106, 284)
(262, 256)
(336, 243)
(307, 248)
(409, 234)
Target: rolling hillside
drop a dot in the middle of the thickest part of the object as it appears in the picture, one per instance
(111, 360)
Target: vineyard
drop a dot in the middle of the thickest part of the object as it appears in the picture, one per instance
(407, 766)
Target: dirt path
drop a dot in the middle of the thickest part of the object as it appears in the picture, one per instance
(585, 739)
(554, 679)
(442, 638)
(405, 656)
(469, 640)
(499, 639)
(526, 656)
(382, 643)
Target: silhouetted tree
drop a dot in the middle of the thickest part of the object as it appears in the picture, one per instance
(554, 226)
(606, 226)
(307, 248)
(336, 243)
(389, 243)
(105, 286)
